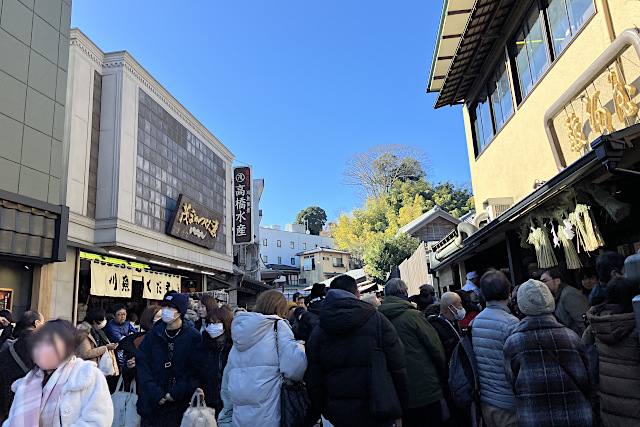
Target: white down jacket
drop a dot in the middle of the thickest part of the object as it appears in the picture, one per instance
(251, 381)
(84, 400)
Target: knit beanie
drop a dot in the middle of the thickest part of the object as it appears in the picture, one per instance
(535, 298)
(178, 301)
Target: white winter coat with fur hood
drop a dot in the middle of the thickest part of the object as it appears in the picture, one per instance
(84, 400)
(251, 382)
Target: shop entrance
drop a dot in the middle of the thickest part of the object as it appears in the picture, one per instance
(16, 280)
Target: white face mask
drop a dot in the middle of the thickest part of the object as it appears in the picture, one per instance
(168, 315)
(102, 324)
(458, 313)
(215, 329)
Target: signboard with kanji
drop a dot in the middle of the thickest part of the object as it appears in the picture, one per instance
(110, 280)
(156, 285)
(242, 206)
(195, 223)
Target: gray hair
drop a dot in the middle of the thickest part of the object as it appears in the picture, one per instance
(396, 287)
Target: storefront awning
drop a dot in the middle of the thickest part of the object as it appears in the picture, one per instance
(494, 231)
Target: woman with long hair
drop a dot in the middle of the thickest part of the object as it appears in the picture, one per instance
(264, 351)
(215, 326)
(61, 390)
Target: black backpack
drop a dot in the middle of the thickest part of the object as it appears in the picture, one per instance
(463, 375)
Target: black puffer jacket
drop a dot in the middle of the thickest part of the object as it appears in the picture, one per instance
(214, 354)
(308, 319)
(155, 379)
(11, 371)
(339, 354)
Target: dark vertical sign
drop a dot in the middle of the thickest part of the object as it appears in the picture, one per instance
(242, 206)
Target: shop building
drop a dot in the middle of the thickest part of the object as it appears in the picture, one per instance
(550, 102)
(148, 189)
(34, 40)
(320, 264)
(280, 248)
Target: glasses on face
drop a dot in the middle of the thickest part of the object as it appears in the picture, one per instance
(121, 314)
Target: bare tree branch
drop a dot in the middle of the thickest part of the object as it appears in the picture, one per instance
(373, 172)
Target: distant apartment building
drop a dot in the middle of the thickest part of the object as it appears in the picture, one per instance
(320, 264)
(280, 249)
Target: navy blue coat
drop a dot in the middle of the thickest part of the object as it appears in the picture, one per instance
(155, 380)
(214, 354)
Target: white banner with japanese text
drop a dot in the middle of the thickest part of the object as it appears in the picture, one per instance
(110, 280)
(156, 285)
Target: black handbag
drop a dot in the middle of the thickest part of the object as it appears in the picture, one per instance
(385, 403)
(295, 405)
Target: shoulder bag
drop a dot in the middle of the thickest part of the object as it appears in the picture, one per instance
(385, 403)
(17, 359)
(125, 413)
(295, 405)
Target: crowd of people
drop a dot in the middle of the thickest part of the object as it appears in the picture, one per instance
(543, 354)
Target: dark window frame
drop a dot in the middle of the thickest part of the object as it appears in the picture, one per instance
(509, 58)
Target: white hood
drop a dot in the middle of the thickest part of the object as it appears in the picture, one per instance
(249, 328)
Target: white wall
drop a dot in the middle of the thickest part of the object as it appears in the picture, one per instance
(272, 251)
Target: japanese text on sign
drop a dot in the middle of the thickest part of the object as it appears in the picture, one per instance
(242, 205)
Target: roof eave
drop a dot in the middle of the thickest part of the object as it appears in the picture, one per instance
(434, 59)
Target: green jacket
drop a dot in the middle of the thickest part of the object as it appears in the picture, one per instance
(423, 350)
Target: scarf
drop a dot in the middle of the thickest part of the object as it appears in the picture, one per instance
(35, 404)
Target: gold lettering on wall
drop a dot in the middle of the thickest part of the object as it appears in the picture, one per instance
(189, 216)
(599, 117)
(622, 97)
(574, 131)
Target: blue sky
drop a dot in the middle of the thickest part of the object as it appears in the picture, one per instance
(293, 87)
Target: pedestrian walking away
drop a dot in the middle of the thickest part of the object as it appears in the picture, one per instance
(613, 330)
(264, 354)
(546, 365)
(491, 328)
(341, 352)
(424, 356)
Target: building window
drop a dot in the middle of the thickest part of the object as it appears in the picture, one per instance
(279, 244)
(483, 128)
(293, 279)
(279, 260)
(293, 246)
(566, 17)
(530, 51)
(293, 261)
(304, 246)
(264, 242)
(265, 259)
(500, 90)
(309, 263)
(337, 262)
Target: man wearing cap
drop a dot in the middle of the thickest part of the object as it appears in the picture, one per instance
(167, 365)
(546, 364)
(473, 280)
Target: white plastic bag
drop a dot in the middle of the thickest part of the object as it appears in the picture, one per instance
(106, 364)
(125, 413)
(199, 415)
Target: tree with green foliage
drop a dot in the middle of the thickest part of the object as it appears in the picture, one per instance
(369, 229)
(383, 254)
(315, 218)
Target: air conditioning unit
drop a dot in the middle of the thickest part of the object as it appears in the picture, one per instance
(497, 206)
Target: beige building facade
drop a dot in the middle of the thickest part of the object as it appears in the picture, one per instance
(320, 264)
(542, 83)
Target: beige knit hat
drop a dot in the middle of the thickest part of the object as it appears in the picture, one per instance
(535, 298)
